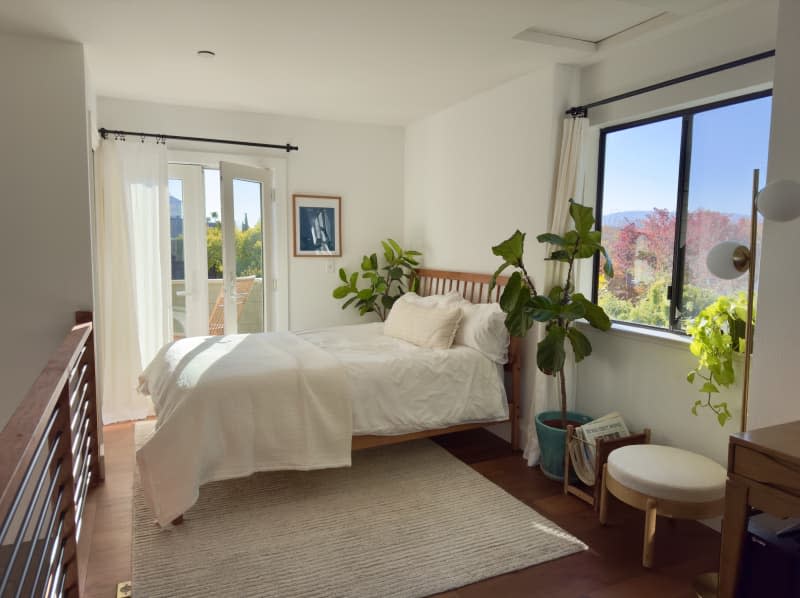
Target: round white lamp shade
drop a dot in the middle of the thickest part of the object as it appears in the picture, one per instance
(780, 200)
(720, 260)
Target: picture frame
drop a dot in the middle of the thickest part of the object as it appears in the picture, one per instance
(317, 225)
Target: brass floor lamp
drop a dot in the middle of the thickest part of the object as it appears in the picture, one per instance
(779, 201)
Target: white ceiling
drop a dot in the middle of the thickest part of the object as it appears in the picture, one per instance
(384, 61)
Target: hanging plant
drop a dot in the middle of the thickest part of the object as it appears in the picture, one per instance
(718, 333)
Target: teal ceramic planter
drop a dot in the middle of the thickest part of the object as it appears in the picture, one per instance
(552, 441)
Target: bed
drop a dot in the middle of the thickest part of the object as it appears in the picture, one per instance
(233, 405)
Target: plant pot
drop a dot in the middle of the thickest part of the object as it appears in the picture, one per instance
(552, 441)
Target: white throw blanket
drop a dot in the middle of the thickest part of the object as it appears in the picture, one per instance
(229, 406)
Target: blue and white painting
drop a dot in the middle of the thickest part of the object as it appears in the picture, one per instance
(317, 226)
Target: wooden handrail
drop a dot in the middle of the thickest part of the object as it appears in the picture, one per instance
(50, 454)
(25, 429)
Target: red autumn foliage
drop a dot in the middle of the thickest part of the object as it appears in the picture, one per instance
(652, 239)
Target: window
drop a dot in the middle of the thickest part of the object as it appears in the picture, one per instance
(670, 188)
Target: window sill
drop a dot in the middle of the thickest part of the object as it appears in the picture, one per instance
(648, 335)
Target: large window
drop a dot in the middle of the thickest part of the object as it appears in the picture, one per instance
(669, 190)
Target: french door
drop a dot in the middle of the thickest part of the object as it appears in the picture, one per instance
(221, 229)
(246, 231)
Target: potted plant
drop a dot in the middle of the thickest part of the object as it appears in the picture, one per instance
(558, 308)
(386, 283)
(718, 335)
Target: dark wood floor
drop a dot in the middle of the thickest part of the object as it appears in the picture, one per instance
(611, 568)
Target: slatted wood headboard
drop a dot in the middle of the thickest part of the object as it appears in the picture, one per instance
(475, 289)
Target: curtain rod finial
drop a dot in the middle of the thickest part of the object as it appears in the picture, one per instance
(578, 112)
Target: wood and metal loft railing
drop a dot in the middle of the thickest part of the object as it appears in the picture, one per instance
(50, 454)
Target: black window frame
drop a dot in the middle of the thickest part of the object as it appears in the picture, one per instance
(675, 290)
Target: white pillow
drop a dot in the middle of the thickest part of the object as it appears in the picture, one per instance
(431, 327)
(451, 298)
(483, 328)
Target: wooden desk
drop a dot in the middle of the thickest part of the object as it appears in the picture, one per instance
(763, 474)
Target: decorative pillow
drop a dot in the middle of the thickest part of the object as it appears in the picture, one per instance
(451, 298)
(431, 327)
(483, 328)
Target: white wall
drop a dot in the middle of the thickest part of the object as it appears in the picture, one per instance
(45, 185)
(482, 168)
(362, 163)
(643, 378)
(773, 391)
(684, 48)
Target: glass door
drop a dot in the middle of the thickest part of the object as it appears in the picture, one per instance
(188, 248)
(246, 223)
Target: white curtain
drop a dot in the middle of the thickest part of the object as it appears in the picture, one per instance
(133, 313)
(569, 185)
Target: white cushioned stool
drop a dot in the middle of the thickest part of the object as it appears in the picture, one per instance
(662, 480)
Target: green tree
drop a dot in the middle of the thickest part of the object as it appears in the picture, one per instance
(214, 246)
(653, 307)
(249, 249)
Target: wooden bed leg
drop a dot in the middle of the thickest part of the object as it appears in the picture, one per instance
(178, 520)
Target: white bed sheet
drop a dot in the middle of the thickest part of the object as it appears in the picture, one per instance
(397, 388)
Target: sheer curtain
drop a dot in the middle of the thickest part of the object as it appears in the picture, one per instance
(133, 270)
(569, 181)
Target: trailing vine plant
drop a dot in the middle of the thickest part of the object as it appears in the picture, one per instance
(718, 333)
(386, 283)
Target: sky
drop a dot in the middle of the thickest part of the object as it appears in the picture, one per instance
(246, 197)
(641, 168)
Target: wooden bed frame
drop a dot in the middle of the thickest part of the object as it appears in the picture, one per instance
(474, 288)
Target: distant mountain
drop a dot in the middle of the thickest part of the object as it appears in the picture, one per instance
(620, 219)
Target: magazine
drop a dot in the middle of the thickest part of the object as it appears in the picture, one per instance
(583, 449)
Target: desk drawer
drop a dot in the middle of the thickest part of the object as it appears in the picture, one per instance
(767, 469)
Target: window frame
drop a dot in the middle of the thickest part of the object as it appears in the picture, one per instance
(675, 290)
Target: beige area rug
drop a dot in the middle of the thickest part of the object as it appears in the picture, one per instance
(404, 520)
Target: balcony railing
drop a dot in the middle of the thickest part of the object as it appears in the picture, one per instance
(50, 455)
(251, 315)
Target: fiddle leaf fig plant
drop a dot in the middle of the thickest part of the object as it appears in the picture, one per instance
(559, 307)
(385, 284)
(718, 333)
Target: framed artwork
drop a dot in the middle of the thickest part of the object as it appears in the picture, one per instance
(317, 225)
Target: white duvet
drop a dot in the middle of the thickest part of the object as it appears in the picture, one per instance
(228, 406)
(232, 405)
(396, 387)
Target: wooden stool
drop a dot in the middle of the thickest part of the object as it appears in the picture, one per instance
(662, 480)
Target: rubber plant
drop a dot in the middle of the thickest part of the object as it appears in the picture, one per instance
(718, 334)
(559, 307)
(385, 284)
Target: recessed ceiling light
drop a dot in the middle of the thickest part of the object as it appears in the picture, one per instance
(206, 53)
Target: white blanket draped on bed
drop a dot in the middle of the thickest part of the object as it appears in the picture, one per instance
(229, 406)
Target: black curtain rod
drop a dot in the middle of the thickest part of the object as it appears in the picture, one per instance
(105, 132)
(580, 111)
